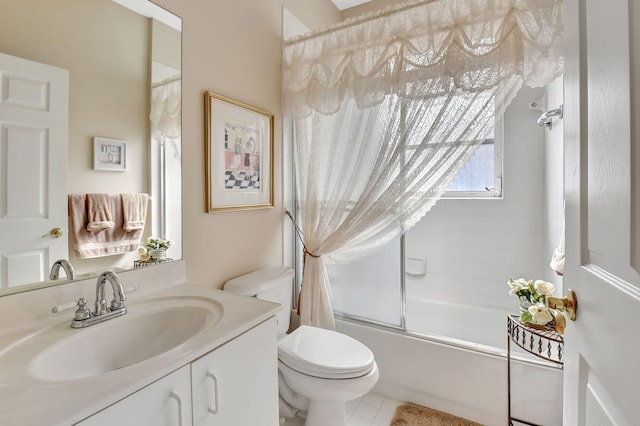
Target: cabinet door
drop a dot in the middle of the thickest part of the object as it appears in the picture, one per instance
(237, 384)
(166, 402)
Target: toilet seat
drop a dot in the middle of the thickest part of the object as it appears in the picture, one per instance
(325, 354)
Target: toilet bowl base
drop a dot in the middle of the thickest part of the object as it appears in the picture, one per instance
(323, 400)
(326, 413)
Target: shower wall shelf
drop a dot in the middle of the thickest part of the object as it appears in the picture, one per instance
(545, 343)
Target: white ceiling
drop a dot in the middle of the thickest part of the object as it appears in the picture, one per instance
(346, 4)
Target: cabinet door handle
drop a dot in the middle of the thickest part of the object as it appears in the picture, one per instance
(179, 401)
(214, 408)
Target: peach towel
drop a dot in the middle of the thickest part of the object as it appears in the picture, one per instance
(98, 213)
(95, 244)
(134, 211)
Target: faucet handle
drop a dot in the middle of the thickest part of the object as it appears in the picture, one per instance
(117, 304)
(82, 313)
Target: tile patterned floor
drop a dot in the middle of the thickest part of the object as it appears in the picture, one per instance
(370, 410)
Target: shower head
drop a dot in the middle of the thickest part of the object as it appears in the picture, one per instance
(546, 119)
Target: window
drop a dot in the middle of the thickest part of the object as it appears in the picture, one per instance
(482, 176)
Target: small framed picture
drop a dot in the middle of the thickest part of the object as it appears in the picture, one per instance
(109, 154)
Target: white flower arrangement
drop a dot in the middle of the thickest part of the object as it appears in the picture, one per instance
(533, 300)
(157, 243)
(153, 244)
(539, 313)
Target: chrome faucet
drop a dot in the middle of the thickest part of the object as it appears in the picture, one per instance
(66, 265)
(84, 317)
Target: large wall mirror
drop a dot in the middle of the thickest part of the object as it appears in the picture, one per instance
(115, 68)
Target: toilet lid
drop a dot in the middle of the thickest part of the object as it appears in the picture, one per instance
(324, 353)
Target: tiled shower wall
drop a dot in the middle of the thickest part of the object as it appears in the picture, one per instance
(472, 247)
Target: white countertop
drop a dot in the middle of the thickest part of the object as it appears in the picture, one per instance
(25, 400)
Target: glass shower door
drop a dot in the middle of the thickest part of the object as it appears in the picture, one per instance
(371, 288)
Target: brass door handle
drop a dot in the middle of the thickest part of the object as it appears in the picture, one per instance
(569, 304)
(56, 232)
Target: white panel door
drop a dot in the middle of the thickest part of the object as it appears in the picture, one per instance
(602, 178)
(33, 169)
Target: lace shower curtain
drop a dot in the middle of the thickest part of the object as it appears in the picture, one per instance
(388, 108)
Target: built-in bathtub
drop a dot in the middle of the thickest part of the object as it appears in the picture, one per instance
(473, 324)
(459, 365)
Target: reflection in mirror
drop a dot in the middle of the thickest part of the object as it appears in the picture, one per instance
(70, 71)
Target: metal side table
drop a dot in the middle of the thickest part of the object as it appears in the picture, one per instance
(544, 343)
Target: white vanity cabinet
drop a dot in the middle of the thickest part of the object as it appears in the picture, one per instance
(237, 384)
(166, 402)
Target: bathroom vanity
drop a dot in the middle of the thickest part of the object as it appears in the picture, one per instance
(181, 355)
(220, 386)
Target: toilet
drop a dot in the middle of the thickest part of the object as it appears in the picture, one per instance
(318, 370)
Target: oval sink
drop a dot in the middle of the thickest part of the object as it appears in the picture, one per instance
(146, 331)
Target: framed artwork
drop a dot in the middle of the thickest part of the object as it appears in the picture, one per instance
(109, 154)
(239, 155)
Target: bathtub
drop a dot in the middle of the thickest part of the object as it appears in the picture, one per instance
(464, 373)
(477, 325)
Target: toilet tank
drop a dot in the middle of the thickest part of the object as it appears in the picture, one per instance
(274, 284)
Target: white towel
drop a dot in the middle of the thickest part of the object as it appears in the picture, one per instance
(98, 213)
(134, 211)
(557, 259)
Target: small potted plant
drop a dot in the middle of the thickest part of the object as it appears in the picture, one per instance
(155, 248)
(534, 310)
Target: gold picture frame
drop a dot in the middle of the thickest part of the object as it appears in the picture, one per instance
(239, 155)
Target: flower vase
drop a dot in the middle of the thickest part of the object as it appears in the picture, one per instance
(157, 254)
(524, 304)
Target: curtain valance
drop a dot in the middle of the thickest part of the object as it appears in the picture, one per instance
(424, 50)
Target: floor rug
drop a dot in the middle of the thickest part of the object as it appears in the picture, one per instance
(416, 415)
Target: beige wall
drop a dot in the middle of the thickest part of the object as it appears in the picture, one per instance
(315, 14)
(233, 48)
(166, 45)
(230, 47)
